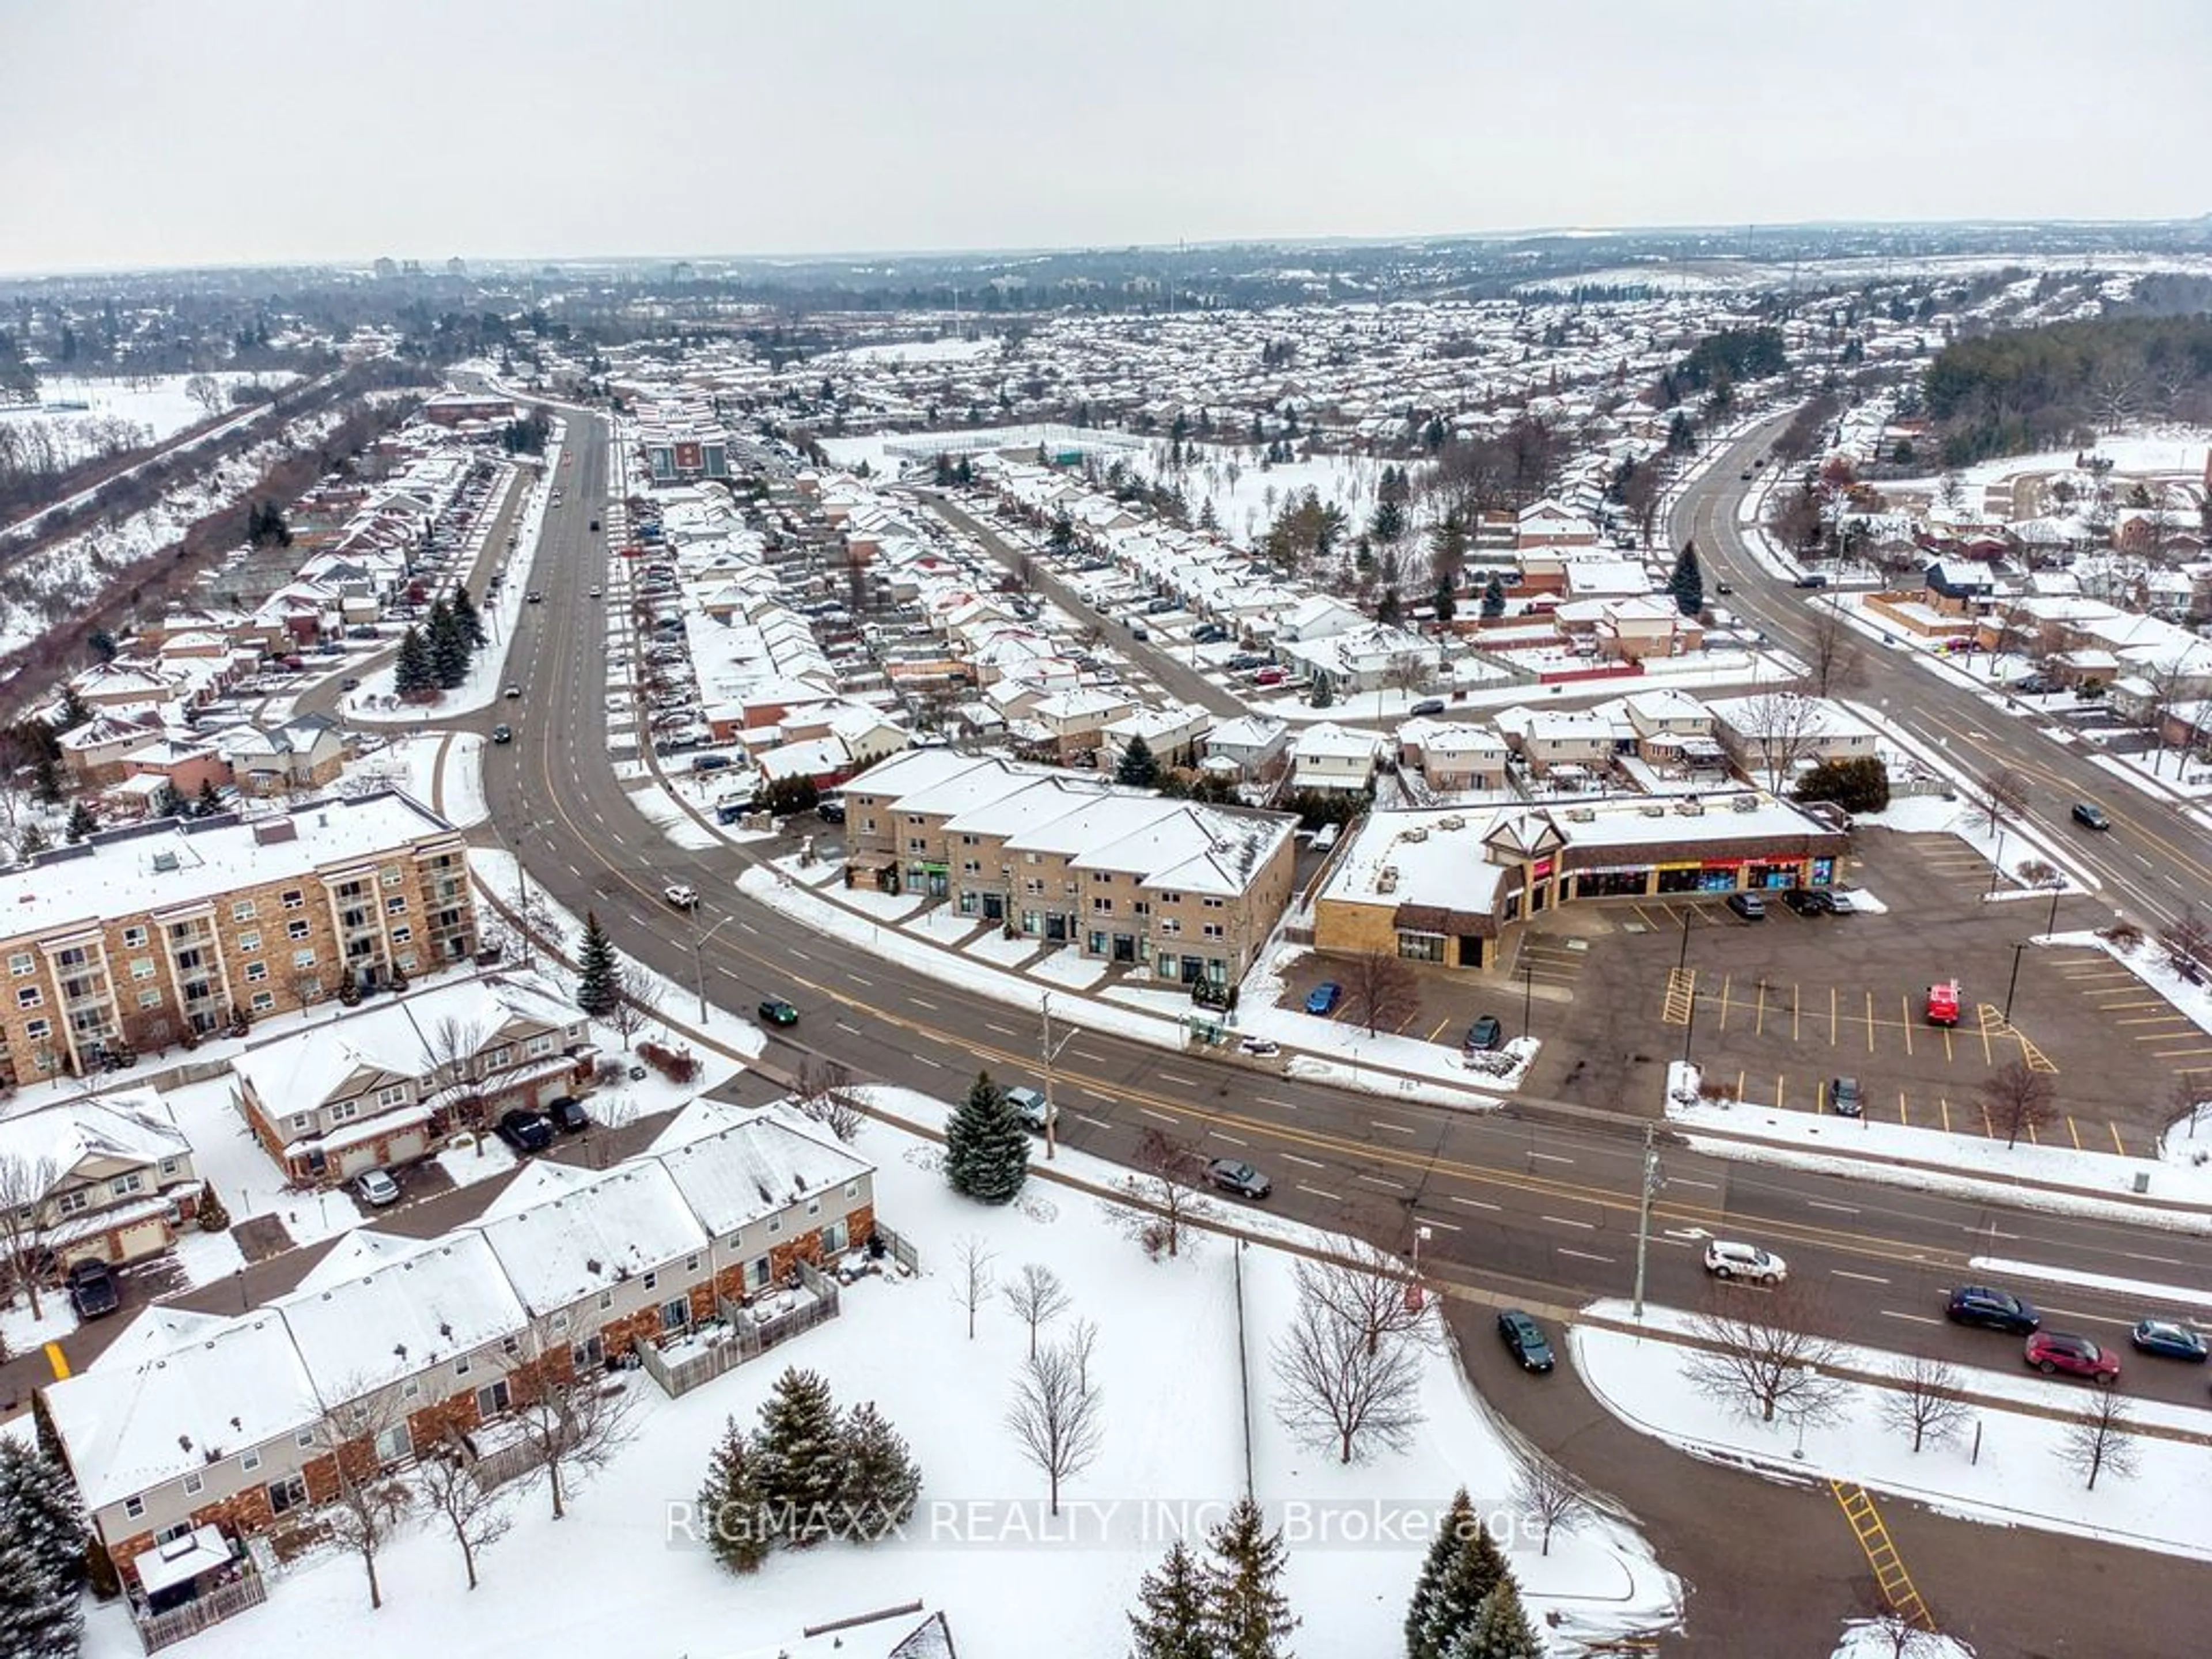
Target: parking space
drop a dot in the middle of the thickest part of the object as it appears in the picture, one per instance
(1446, 1002)
(1775, 1010)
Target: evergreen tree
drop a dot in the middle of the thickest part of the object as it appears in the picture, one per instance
(1494, 598)
(74, 712)
(1208, 520)
(987, 1151)
(412, 671)
(1687, 584)
(1249, 1615)
(101, 644)
(799, 1456)
(1501, 1629)
(33, 841)
(449, 648)
(595, 970)
(1387, 525)
(46, 778)
(1464, 1564)
(39, 1619)
(1444, 602)
(1170, 1621)
(1139, 767)
(1389, 608)
(81, 823)
(730, 1502)
(470, 618)
(167, 802)
(38, 1507)
(1324, 689)
(882, 1483)
(210, 800)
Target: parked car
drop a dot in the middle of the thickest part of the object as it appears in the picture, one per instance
(1234, 1176)
(92, 1289)
(1524, 1339)
(1844, 1098)
(1487, 1032)
(830, 812)
(1749, 906)
(1725, 1258)
(1029, 1104)
(591, 592)
(710, 762)
(1258, 1045)
(512, 692)
(2033, 685)
(776, 1011)
(1807, 901)
(376, 1187)
(1995, 1309)
(595, 525)
(1813, 580)
(1943, 1003)
(1428, 706)
(2167, 1338)
(525, 1131)
(503, 733)
(2090, 816)
(1324, 997)
(2052, 1352)
(568, 1114)
(1840, 902)
(683, 897)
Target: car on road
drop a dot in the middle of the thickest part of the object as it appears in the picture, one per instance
(2090, 816)
(1726, 1259)
(1524, 1339)
(1745, 475)
(1030, 1105)
(1487, 1032)
(503, 733)
(1993, 1309)
(376, 1187)
(591, 592)
(1258, 1045)
(595, 525)
(1813, 580)
(1724, 589)
(1807, 901)
(2033, 685)
(2052, 1352)
(512, 692)
(535, 597)
(683, 898)
(1845, 1098)
(776, 1011)
(2168, 1339)
(1234, 1176)
(1324, 997)
(525, 1131)
(568, 1114)
(1428, 706)
(1749, 906)
(350, 683)
(92, 1289)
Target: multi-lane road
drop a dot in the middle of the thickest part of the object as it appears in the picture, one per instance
(1530, 1203)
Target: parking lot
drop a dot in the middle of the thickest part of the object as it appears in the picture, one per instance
(1773, 1011)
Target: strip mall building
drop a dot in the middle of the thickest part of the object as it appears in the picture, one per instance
(1441, 885)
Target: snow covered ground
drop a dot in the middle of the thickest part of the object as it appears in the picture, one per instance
(156, 403)
(1013, 1581)
(2007, 1466)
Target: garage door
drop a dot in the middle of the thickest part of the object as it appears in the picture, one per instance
(143, 1239)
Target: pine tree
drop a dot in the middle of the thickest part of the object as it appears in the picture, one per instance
(470, 618)
(1247, 1613)
(33, 841)
(74, 712)
(1493, 598)
(1501, 1629)
(595, 970)
(799, 1456)
(986, 1153)
(730, 1502)
(412, 671)
(39, 1619)
(1324, 689)
(1170, 1621)
(167, 802)
(449, 649)
(82, 821)
(209, 800)
(38, 1507)
(882, 1482)
(1444, 602)
(1687, 584)
(1139, 767)
(1464, 1564)
(1389, 608)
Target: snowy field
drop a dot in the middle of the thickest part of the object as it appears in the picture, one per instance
(1013, 1581)
(158, 404)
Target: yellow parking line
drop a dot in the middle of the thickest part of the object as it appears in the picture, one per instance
(1870, 1001)
(2075, 1132)
(59, 1360)
(1758, 1021)
(1905, 1024)
(1946, 1042)
(1987, 1058)
(1727, 979)
(2119, 1146)
(1439, 1029)
(1742, 1078)
(1779, 1080)
(2033, 1138)
(2114, 1008)
(1903, 1116)
(2153, 1020)
(1944, 1104)
(2171, 1053)
(1988, 1128)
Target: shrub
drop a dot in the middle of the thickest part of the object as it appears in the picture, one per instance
(677, 1065)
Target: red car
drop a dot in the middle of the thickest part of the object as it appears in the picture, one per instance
(2050, 1352)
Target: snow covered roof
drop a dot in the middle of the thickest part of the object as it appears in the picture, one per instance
(732, 1173)
(417, 1309)
(605, 1229)
(129, 1127)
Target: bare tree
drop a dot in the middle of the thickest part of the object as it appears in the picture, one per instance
(1160, 1197)
(367, 1505)
(1903, 1640)
(638, 991)
(2000, 794)
(2018, 1099)
(823, 1091)
(971, 1274)
(205, 391)
(1832, 658)
(455, 1062)
(1926, 1401)
(1381, 990)
(2185, 940)
(478, 1516)
(2102, 1439)
(1372, 1291)
(1782, 727)
(1769, 1365)
(1057, 1415)
(576, 1420)
(1037, 1297)
(1338, 1393)
(1547, 1491)
(26, 1183)
(1082, 1342)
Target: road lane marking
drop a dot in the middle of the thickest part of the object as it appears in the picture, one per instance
(1234, 1140)
(920, 1002)
(1397, 1128)
(1381, 1181)
(1179, 1082)
(842, 1026)
(1685, 1181)
(1565, 1221)
(1582, 1255)
(1161, 1116)
(926, 1061)
(1098, 1094)
(1334, 1198)
(1095, 1122)
(1917, 1319)
(1269, 1100)
(1471, 1203)
(1431, 1221)
(1552, 1157)
(1866, 1279)
(1823, 1204)
(1309, 1163)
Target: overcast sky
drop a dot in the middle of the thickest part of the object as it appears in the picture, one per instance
(237, 131)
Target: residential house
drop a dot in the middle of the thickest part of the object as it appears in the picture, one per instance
(115, 1174)
(1329, 757)
(1453, 756)
(1253, 744)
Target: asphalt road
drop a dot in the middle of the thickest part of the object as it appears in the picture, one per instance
(1528, 1204)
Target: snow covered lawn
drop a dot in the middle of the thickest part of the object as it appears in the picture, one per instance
(1013, 1581)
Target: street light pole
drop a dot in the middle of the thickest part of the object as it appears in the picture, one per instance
(1528, 984)
(698, 957)
(1050, 1051)
(2013, 983)
(1648, 1186)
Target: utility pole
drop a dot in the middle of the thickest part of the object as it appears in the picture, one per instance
(1050, 1051)
(1529, 982)
(2013, 984)
(1650, 1185)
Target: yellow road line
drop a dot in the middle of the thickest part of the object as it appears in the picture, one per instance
(2073, 1132)
(59, 1360)
(1944, 1102)
(1869, 1002)
(1904, 1024)
(2118, 1144)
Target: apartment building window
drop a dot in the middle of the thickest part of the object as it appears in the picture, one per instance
(814, 1207)
(1420, 947)
(1212, 930)
(242, 910)
(250, 941)
(1171, 898)
(651, 1280)
(606, 1300)
(757, 1274)
(1137, 907)
(834, 1236)
(134, 938)
(134, 1507)
(293, 898)
(461, 1366)
(691, 1264)
(142, 968)
(1034, 886)
(1212, 903)
(1169, 927)
(538, 1047)
(309, 989)
(296, 929)
(304, 1438)
(491, 1399)
(852, 1189)
(392, 875)
(402, 934)
(303, 1122)
(194, 1485)
(395, 1094)
(38, 1029)
(501, 1055)
(1100, 906)
(410, 1390)
(29, 996)
(169, 1166)
(304, 958)
(73, 1203)
(264, 1001)
(129, 1182)
(150, 997)
(1029, 857)
(405, 961)
(776, 1224)
(968, 841)
(21, 962)
(396, 907)
(290, 1493)
(590, 1352)
(394, 1445)
(867, 826)
(249, 1461)
(256, 972)
(345, 1111)
(970, 867)
(917, 844)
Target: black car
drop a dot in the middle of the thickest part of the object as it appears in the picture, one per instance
(831, 811)
(1486, 1033)
(1428, 706)
(1997, 1311)
(2090, 816)
(568, 1114)
(1807, 901)
(776, 1011)
(525, 1131)
(1815, 579)
(92, 1290)
(1524, 1339)
(1845, 1097)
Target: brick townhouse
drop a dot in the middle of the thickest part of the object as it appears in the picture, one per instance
(118, 1175)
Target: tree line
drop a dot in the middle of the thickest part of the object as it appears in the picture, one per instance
(2021, 390)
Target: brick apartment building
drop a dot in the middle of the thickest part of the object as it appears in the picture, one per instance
(162, 932)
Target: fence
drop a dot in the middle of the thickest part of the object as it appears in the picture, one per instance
(707, 1356)
(903, 1252)
(157, 1630)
